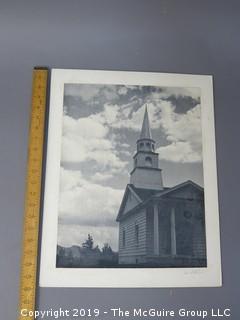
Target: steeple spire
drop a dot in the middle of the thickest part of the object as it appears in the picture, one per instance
(146, 131)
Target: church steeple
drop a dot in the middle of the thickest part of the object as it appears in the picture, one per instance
(146, 173)
(146, 131)
(145, 141)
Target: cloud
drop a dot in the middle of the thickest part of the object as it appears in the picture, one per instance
(181, 126)
(121, 116)
(125, 145)
(98, 177)
(167, 92)
(92, 138)
(183, 131)
(110, 92)
(109, 115)
(84, 127)
(71, 234)
(92, 92)
(125, 153)
(180, 151)
(86, 139)
(129, 115)
(179, 129)
(123, 90)
(83, 91)
(70, 179)
(87, 204)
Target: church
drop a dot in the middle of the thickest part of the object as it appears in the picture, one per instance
(159, 226)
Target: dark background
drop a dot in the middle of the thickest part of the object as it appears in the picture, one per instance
(200, 37)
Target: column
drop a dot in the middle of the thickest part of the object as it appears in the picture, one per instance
(173, 233)
(155, 230)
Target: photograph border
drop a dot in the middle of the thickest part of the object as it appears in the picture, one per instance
(50, 275)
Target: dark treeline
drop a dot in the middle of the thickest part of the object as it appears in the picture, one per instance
(85, 256)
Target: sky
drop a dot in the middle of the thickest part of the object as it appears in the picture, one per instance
(101, 124)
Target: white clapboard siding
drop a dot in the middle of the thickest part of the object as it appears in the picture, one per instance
(132, 248)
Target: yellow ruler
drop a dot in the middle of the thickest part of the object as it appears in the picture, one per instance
(32, 196)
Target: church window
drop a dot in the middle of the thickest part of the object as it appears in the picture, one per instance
(148, 145)
(124, 238)
(137, 234)
(148, 161)
(141, 145)
(153, 146)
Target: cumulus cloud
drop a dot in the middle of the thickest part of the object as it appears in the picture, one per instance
(88, 92)
(70, 179)
(72, 234)
(179, 151)
(86, 204)
(180, 129)
(183, 131)
(90, 204)
(166, 92)
(121, 116)
(86, 139)
(98, 176)
(85, 92)
(191, 92)
(123, 90)
(84, 127)
(89, 138)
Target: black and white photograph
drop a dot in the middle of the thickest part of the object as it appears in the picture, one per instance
(131, 186)
(131, 189)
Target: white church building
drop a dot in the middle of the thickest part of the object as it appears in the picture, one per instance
(159, 226)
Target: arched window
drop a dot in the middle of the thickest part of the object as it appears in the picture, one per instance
(148, 161)
(141, 145)
(148, 145)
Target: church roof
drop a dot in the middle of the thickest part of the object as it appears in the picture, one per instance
(146, 131)
(146, 195)
(179, 186)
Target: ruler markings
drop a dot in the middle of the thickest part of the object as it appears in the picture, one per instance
(32, 194)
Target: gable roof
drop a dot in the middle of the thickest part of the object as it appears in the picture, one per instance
(145, 195)
(129, 189)
(180, 186)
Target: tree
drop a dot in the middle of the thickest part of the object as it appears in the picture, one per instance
(88, 244)
(106, 249)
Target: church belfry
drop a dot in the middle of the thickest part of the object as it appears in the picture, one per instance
(146, 173)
